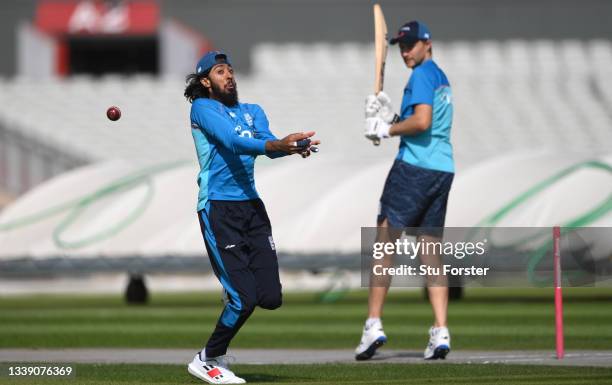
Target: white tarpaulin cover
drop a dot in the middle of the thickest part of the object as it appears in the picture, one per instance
(317, 206)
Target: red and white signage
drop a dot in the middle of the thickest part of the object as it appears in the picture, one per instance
(138, 17)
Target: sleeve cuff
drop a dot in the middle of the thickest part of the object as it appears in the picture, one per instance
(259, 146)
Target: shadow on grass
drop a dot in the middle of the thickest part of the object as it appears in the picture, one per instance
(261, 377)
(388, 356)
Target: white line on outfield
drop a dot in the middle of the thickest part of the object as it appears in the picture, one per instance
(305, 356)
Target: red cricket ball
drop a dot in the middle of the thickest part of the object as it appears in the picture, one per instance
(113, 113)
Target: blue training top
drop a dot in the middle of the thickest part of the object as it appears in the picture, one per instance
(227, 141)
(430, 149)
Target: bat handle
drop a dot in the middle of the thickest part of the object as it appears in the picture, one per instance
(377, 88)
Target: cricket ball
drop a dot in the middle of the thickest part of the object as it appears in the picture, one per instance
(113, 113)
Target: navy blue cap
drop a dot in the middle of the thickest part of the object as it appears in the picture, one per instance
(210, 59)
(411, 32)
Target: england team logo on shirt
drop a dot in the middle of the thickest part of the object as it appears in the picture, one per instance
(249, 119)
(243, 133)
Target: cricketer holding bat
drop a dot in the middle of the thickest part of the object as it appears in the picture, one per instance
(228, 136)
(417, 187)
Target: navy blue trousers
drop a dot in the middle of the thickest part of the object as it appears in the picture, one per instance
(238, 238)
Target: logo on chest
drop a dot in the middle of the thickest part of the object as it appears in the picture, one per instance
(245, 133)
(242, 132)
(249, 119)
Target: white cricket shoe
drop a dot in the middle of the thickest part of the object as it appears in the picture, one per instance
(213, 370)
(439, 343)
(373, 337)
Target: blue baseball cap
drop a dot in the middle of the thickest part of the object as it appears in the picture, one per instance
(411, 32)
(211, 59)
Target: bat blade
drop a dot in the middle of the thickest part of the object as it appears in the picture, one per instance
(380, 47)
(380, 51)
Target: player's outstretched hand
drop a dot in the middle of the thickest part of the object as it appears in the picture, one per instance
(289, 144)
(307, 147)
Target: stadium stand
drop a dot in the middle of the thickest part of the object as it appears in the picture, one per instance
(508, 96)
(512, 99)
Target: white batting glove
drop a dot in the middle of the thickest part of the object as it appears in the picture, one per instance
(376, 128)
(372, 106)
(386, 109)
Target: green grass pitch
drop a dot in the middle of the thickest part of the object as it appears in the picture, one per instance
(338, 374)
(486, 319)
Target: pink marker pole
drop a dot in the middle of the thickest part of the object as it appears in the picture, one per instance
(558, 293)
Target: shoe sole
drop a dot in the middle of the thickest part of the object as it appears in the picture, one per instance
(439, 353)
(197, 374)
(369, 352)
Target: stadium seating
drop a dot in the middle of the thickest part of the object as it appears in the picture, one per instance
(508, 95)
(512, 98)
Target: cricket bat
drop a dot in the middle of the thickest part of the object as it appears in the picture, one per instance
(380, 51)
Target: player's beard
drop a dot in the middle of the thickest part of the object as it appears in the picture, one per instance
(229, 98)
